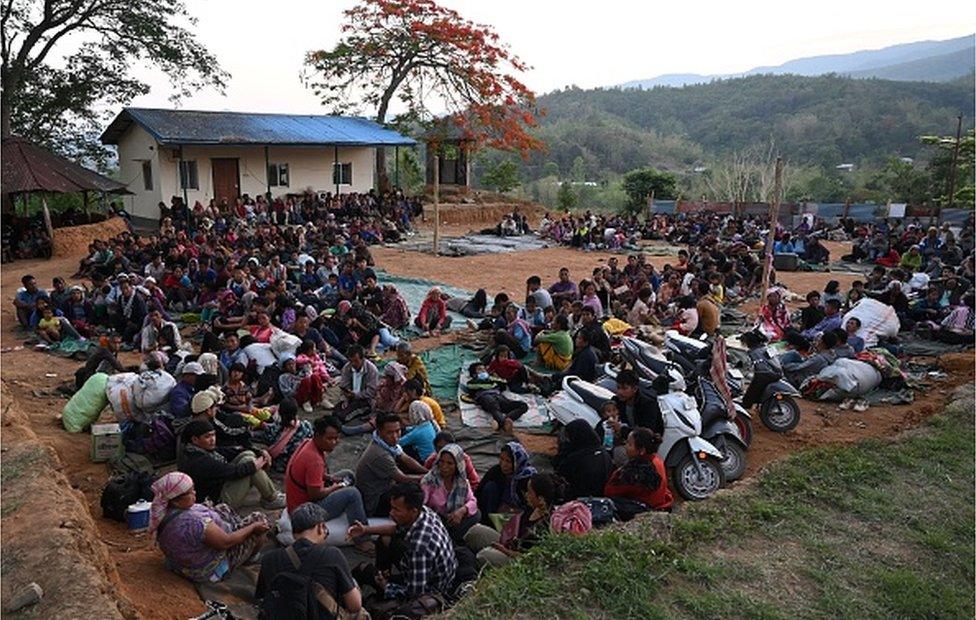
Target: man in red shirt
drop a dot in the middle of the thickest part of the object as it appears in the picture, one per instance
(307, 478)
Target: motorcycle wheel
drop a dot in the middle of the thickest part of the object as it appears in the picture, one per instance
(734, 465)
(780, 414)
(744, 425)
(693, 487)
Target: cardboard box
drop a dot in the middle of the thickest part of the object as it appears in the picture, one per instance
(106, 442)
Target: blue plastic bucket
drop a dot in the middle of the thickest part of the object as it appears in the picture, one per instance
(137, 516)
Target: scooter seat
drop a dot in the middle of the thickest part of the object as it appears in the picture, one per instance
(592, 395)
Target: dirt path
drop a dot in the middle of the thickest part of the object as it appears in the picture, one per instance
(137, 579)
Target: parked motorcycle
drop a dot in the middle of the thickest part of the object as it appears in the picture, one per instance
(777, 408)
(694, 463)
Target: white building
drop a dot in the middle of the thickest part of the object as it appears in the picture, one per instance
(200, 156)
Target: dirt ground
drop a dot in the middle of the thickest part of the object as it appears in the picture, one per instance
(130, 572)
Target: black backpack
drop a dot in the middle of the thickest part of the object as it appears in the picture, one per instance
(292, 595)
(123, 490)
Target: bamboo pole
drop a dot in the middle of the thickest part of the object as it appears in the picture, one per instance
(437, 204)
(773, 222)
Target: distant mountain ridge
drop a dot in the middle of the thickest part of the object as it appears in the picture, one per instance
(927, 61)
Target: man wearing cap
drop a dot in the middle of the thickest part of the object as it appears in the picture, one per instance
(182, 394)
(358, 381)
(131, 310)
(324, 565)
(221, 481)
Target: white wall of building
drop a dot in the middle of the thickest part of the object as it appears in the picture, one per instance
(308, 167)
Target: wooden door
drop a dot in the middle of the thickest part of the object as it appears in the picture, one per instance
(226, 180)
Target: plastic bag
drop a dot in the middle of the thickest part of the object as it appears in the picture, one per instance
(87, 403)
(284, 343)
(151, 391)
(852, 377)
(118, 390)
(877, 320)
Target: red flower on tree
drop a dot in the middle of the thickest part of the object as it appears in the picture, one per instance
(416, 50)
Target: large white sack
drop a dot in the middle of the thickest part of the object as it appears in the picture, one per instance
(877, 319)
(118, 390)
(151, 391)
(854, 377)
(261, 354)
(337, 529)
(282, 342)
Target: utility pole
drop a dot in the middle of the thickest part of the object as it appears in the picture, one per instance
(952, 169)
(773, 221)
(437, 204)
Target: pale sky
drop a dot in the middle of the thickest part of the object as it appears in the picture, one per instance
(585, 43)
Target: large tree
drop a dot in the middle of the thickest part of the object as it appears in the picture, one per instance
(417, 53)
(67, 64)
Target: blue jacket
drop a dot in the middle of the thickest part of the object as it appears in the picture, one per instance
(179, 400)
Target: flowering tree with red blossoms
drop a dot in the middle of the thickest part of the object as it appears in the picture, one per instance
(416, 51)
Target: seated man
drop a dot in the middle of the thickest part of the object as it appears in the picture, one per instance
(159, 334)
(798, 371)
(358, 382)
(182, 395)
(221, 481)
(26, 298)
(307, 478)
(831, 320)
(555, 347)
(636, 410)
(382, 464)
(415, 556)
(487, 393)
(325, 566)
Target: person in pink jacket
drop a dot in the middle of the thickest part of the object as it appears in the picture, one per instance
(432, 318)
(448, 492)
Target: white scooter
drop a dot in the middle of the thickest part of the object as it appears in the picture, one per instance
(694, 464)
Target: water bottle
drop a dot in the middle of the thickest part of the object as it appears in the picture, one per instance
(607, 435)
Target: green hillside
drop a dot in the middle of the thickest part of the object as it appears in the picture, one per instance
(814, 121)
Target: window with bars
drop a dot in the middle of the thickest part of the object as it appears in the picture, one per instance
(278, 175)
(188, 175)
(342, 174)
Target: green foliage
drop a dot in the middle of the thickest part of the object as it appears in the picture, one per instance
(412, 175)
(638, 185)
(940, 168)
(503, 176)
(550, 169)
(71, 64)
(830, 532)
(566, 197)
(903, 182)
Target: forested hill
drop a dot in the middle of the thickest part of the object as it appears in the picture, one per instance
(817, 120)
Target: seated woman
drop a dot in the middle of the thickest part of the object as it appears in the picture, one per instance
(448, 492)
(442, 439)
(502, 490)
(432, 318)
(582, 461)
(641, 484)
(201, 543)
(418, 442)
(522, 531)
(283, 436)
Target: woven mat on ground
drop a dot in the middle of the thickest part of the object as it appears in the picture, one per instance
(472, 415)
(70, 347)
(912, 345)
(493, 244)
(414, 290)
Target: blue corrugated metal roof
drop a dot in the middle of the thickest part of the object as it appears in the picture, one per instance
(175, 127)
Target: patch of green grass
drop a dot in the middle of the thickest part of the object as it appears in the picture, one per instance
(10, 507)
(876, 530)
(15, 466)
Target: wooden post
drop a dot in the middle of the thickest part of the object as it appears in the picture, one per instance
(952, 170)
(437, 204)
(396, 165)
(336, 171)
(650, 205)
(267, 176)
(186, 200)
(47, 219)
(773, 222)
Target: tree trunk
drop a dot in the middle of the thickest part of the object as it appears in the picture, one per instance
(5, 129)
(382, 178)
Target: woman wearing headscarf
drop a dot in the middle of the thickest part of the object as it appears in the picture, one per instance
(432, 317)
(502, 490)
(389, 390)
(395, 311)
(201, 543)
(774, 318)
(448, 492)
(418, 442)
(582, 461)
